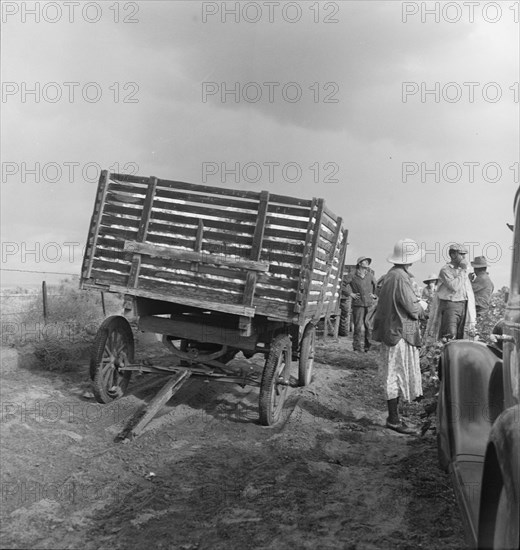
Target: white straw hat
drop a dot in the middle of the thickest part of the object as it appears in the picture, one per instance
(406, 251)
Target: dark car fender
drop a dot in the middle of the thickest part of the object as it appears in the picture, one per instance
(470, 398)
(501, 479)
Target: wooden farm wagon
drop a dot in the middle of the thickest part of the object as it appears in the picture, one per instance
(215, 271)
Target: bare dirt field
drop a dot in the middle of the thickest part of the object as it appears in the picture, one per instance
(206, 475)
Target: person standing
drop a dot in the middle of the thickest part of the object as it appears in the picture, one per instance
(396, 326)
(361, 287)
(430, 288)
(456, 302)
(482, 285)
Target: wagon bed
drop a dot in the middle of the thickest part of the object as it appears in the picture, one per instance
(239, 252)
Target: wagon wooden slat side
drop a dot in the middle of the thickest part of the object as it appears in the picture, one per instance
(259, 266)
(138, 221)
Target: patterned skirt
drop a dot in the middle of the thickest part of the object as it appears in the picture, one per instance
(400, 371)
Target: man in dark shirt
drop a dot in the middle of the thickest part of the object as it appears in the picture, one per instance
(482, 285)
(361, 287)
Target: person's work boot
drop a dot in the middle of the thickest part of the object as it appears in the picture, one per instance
(401, 427)
(393, 422)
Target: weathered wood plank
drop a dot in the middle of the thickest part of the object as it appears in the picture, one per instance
(186, 237)
(302, 282)
(118, 234)
(251, 195)
(142, 231)
(123, 211)
(95, 222)
(110, 259)
(258, 236)
(268, 308)
(107, 264)
(194, 280)
(249, 290)
(330, 214)
(221, 248)
(128, 187)
(289, 223)
(284, 199)
(285, 234)
(104, 277)
(202, 211)
(198, 237)
(129, 178)
(324, 285)
(329, 224)
(108, 220)
(119, 199)
(171, 221)
(188, 300)
(169, 253)
(143, 416)
(310, 259)
(167, 193)
(204, 330)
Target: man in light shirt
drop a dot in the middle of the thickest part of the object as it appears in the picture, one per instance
(455, 295)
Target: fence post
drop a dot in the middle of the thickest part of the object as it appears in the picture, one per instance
(44, 296)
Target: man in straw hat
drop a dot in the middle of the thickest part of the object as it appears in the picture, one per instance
(396, 326)
(453, 314)
(361, 287)
(430, 288)
(482, 285)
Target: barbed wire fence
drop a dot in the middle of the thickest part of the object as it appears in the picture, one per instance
(36, 309)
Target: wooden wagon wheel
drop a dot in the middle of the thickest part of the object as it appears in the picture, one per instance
(307, 351)
(113, 348)
(274, 385)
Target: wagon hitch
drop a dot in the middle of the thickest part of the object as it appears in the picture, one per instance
(142, 417)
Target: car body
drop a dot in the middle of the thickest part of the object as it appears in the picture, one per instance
(479, 424)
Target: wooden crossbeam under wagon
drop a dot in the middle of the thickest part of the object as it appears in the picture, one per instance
(215, 271)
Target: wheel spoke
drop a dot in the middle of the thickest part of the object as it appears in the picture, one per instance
(112, 351)
(107, 375)
(119, 344)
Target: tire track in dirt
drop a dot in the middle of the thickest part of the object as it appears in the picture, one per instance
(328, 476)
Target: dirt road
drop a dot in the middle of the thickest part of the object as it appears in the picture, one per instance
(206, 475)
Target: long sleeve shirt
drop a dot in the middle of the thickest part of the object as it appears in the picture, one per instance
(482, 289)
(453, 284)
(362, 285)
(398, 310)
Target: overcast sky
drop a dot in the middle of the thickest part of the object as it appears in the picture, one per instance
(405, 121)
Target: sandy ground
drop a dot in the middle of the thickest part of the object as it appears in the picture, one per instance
(206, 475)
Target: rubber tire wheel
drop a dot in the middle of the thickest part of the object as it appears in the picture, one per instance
(307, 351)
(113, 329)
(272, 395)
(343, 321)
